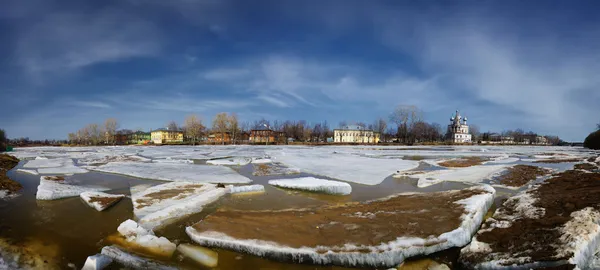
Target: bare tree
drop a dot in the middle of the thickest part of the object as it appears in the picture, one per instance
(234, 126)
(193, 128)
(598, 126)
(221, 124)
(95, 133)
(172, 125)
(404, 116)
(475, 133)
(110, 127)
(380, 126)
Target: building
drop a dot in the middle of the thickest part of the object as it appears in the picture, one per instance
(138, 137)
(166, 136)
(458, 130)
(541, 140)
(219, 138)
(355, 134)
(266, 136)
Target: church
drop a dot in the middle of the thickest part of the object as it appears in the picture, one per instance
(458, 130)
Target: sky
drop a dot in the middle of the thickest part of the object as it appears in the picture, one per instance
(504, 64)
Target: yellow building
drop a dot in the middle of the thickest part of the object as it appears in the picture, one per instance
(165, 136)
(355, 134)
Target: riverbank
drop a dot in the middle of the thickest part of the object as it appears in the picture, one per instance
(7, 185)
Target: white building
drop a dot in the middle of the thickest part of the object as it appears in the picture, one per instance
(458, 130)
(355, 134)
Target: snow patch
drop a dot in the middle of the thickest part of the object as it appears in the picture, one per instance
(262, 161)
(175, 172)
(473, 174)
(236, 161)
(314, 184)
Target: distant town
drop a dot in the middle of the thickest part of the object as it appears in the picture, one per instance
(404, 126)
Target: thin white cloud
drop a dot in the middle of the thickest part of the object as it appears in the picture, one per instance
(90, 104)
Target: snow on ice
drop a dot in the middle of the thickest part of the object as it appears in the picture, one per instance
(314, 184)
(53, 190)
(236, 161)
(158, 205)
(34, 172)
(175, 172)
(100, 200)
(473, 174)
(342, 166)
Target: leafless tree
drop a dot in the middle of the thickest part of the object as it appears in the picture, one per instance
(110, 128)
(95, 133)
(475, 133)
(220, 124)
(233, 126)
(193, 128)
(404, 116)
(380, 126)
(172, 125)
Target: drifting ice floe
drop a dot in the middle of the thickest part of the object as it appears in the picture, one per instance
(170, 160)
(342, 166)
(54, 166)
(314, 184)
(96, 262)
(52, 190)
(137, 235)
(243, 189)
(112, 158)
(34, 172)
(100, 200)
(472, 174)
(380, 233)
(236, 161)
(175, 172)
(131, 260)
(261, 161)
(156, 205)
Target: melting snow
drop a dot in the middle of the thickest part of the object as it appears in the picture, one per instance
(131, 260)
(473, 174)
(34, 172)
(243, 189)
(314, 184)
(145, 238)
(237, 161)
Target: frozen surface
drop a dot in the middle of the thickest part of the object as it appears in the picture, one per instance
(145, 238)
(131, 260)
(261, 161)
(48, 163)
(96, 262)
(34, 172)
(248, 188)
(106, 200)
(314, 184)
(53, 190)
(170, 160)
(111, 158)
(238, 161)
(156, 206)
(175, 172)
(386, 254)
(473, 174)
(201, 255)
(343, 166)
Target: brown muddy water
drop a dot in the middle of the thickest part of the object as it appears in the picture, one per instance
(66, 231)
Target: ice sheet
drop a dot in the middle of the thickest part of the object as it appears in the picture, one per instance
(237, 161)
(158, 205)
(314, 184)
(175, 172)
(34, 172)
(131, 260)
(342, 166)
(473, 174)
(100, 200)
(387, 254)
(96, 262)
(53, 190)
(146, 238)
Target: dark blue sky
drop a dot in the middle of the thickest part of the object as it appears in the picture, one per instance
(504, 64)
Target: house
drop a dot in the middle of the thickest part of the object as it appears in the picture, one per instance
(138, 137)
(355, 134)
(458, 130)
(507, 140)
(219, 138)
(266, 136)
(541, 140)
(166, 136)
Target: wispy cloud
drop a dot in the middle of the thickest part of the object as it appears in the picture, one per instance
(90, 104)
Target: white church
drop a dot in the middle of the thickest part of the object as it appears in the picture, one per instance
(458, 130)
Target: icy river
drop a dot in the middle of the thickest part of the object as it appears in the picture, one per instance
(221, 205)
